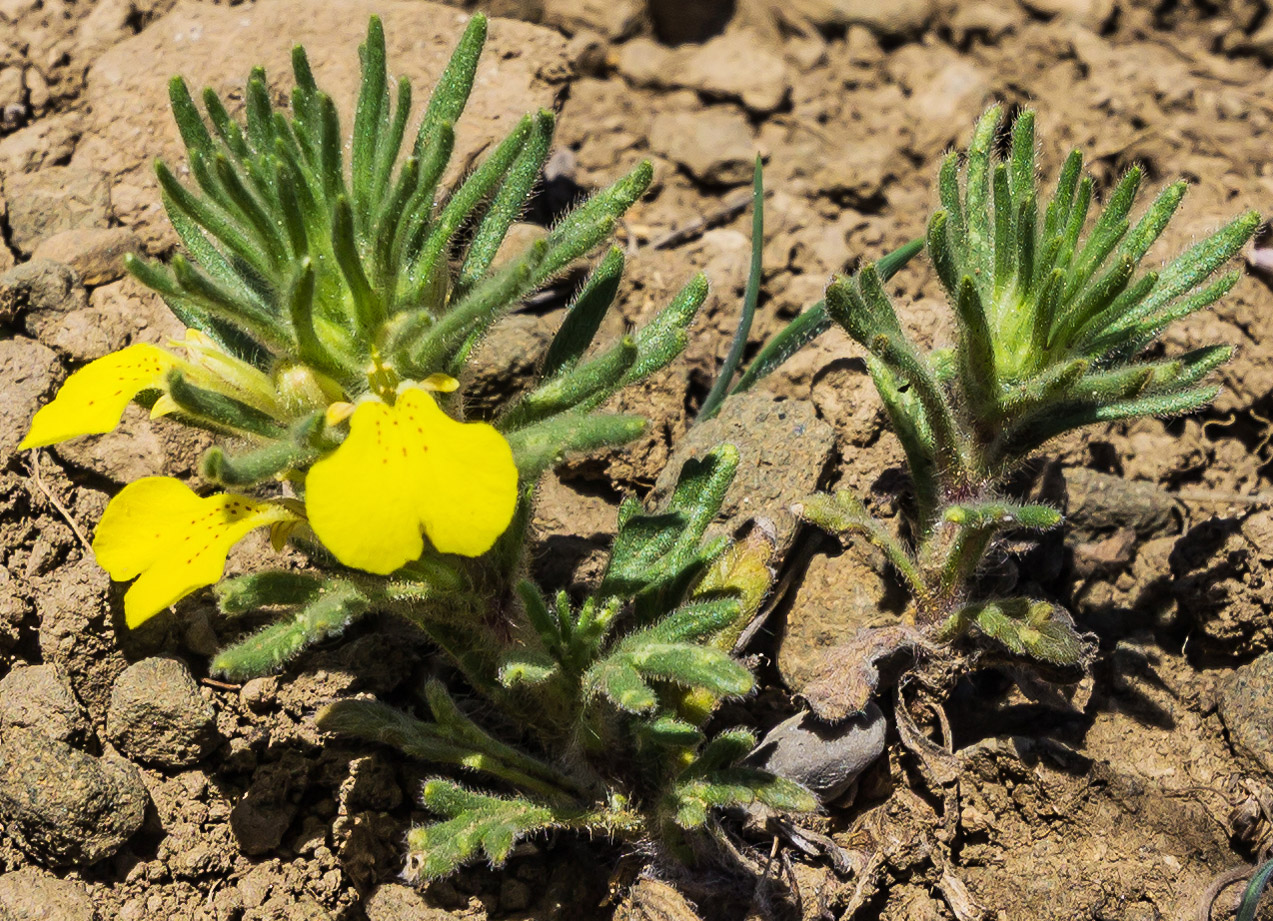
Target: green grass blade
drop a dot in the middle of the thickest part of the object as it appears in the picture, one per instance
(725, 376)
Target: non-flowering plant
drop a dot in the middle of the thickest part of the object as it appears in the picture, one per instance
(1054, 316)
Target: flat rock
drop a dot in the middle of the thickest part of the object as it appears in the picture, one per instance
(47, 142)
(838, 596)
(62, 806)
(261, 817)
(713, 144)
(39, 697)
(1244, 706)
(157, 714)
(736, 66)
(30, 372)
(54, 199)
(782, 448)
(33, 895)
(130, 452)
(129, 123)
(80, 335)
(826, 758)
(95, 253)
(1094, 14)
(944, 87)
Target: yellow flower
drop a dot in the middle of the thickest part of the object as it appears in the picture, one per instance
(158, 531)
(406, 469)
(93, 399)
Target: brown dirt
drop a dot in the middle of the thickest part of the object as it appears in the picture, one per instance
(1112, 800)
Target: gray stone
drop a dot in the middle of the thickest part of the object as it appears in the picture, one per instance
(30, 372)
(1246, 701)
(782, 447)
(54, 199)
(33, 895)
(157, 714)
(825, 757)
(39, 697)
(63, 807)
(714, 144)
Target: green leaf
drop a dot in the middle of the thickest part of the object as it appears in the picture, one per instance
(370, 121)
(431, 257)
(665, 337)
(670, 732)
(977, 199)
(243, 594)
(652, 552)
(1250, 903)
(527, 668)
(585, 386)
(619, 681)
(544, 444)
(451, 92)
(1106, 233)
(476, 824)
(1001, 514)
(695, 799)
(978, 374)
(327, 615)
(221, 410)
(687, 665)
(509, 202)
(584, 316)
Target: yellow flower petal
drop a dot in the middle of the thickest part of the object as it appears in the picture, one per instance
(172, 541)
(405, 469)
(93, 398)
